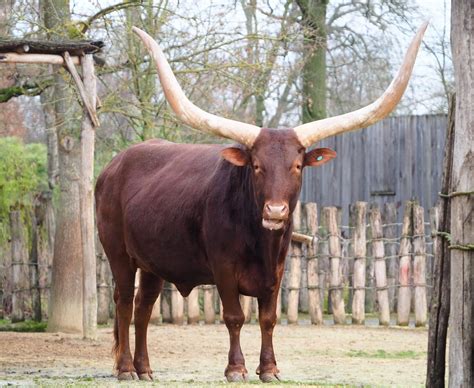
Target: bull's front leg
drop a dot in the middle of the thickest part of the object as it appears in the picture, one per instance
(267, 370)
(234, 319)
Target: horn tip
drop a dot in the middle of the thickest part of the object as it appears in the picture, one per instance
(136, 30)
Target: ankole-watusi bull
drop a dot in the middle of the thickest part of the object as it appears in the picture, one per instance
(212, 214)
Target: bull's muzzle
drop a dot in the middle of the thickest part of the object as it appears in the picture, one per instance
(275, 215)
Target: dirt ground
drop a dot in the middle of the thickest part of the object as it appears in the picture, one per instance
(196, 356)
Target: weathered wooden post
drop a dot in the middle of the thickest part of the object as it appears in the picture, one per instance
(246, 304)
(193, 306)
(315, 307)
(34, 272)
(177, 306)
(389, 218)
(380, 266)
(155, 318)
(360, 252)
(209, 310)
(404, 292)
(336, 286)
(103, 292)
(323, 254)
(295, 270)
(278, 307)
(166, 303)
(419, 266)
(87, 89)
(18, 264)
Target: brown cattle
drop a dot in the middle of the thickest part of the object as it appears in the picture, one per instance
(212, 214)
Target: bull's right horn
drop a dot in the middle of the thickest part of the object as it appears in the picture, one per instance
(186, 111)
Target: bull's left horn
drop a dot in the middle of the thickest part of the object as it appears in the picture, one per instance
(310, 133)
(186, 111)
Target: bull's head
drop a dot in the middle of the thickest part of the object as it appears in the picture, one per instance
(277, 157)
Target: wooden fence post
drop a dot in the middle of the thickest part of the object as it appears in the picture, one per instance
(360, 252)
(278, 307)
(404, 292)
(103, 291)
(166, 303)
(336, 285)
(323, 255)
(246, 304)
(193, 306)
(177, 306)
(209, 310)
(34, 272)
(89, 289)
(314, 300)
(380, 266)
(18, 264)
(156, 312)
(294, 280)
(389, 218)
(419, 266)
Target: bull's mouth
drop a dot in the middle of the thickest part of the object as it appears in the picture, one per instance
(272, 224)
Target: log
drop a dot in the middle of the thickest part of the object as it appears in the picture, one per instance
(315, 307)
(294, 279)
(323, 249)
(18, 263)
(419, 265)
(360, 253)
(45, 59)
(193, 306)
(209, 309)
(380, 266)
(89, 289)
(75, 47)
(177, 306)
(404, 291)
(389, 218)
(336, 285)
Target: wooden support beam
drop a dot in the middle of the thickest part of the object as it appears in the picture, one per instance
(82, 91)
(46, 59)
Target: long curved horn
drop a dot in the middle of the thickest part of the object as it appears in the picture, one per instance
(310, 133)
(186, 111)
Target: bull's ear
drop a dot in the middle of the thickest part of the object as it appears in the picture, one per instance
(318, 156)
(235, 155)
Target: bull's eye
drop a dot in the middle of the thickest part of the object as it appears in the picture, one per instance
(298, 167)
(256, 167)
(319, 158)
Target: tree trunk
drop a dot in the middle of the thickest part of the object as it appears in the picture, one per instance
(34, 270)
(440, 298)
(65, 309)
(461, 333)
(314, 70)
(18, 247)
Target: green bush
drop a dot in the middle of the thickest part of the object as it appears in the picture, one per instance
(23, 174)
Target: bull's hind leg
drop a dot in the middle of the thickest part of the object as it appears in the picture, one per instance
(148, 291)
(124, 276)
(234, 319)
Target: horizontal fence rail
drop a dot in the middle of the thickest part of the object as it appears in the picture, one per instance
(374, 270)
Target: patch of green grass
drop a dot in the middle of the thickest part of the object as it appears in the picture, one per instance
(380, 353)
(23, 327)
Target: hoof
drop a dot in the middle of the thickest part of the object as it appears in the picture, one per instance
(146, 376)
(127, 376)
(236, 377)
(269, 377)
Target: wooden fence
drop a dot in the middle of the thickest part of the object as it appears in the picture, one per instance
(395, 160)
(374, 270)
